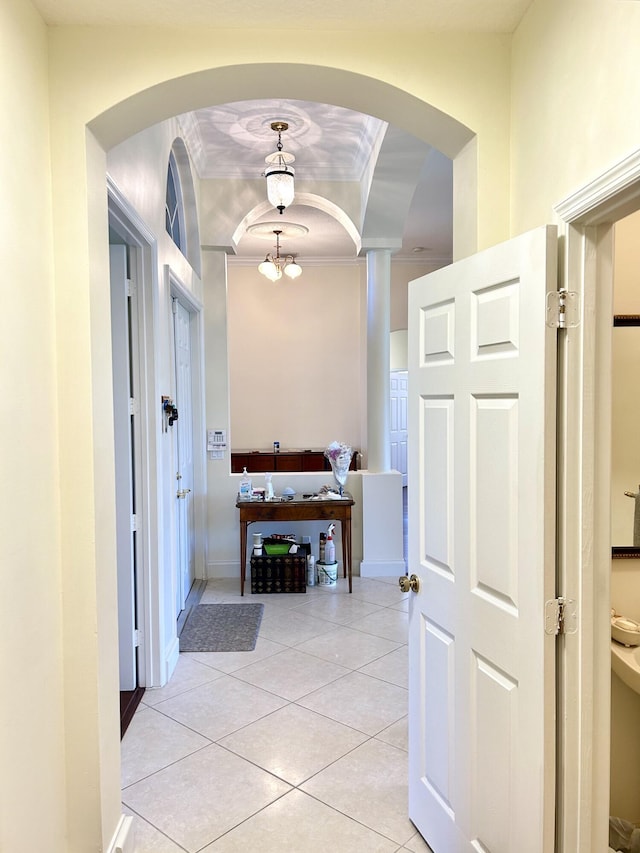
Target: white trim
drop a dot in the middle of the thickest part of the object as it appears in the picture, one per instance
(382, 568)
(123, 840)
(223, 569)
(176, 288)
(171, 659)
(127, 222)
(606, 197)
(584, 508)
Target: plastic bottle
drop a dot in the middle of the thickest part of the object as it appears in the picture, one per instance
(268, 487)
(330, 546)
(321, 550)
(311, 570)
(246, 489)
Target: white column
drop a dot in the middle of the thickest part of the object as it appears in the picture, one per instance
(378, 331)
(381, 487)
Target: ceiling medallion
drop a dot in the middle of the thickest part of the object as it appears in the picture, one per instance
(266, 230)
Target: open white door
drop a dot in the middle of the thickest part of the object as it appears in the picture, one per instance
(123, 317)
(398, 385)
(183, 431)
(482, 399)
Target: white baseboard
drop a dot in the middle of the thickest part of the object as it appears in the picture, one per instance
(382, 568)
(171, 660)
(124, 839)
(222, 569)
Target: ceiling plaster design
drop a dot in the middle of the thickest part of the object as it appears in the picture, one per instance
(329, 143)
(337, 150)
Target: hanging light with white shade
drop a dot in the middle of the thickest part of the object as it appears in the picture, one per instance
(273, 267)
(279, 173)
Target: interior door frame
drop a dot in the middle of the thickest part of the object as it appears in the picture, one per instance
(175, 289)
(143, 250)
(586, 219)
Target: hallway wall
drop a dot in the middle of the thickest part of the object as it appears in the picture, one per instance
(32, 731)
(562, 117)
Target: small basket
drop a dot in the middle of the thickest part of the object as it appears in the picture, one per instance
(280, 573)
(275, 548)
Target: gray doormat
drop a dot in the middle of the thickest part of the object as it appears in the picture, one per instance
(221, 628)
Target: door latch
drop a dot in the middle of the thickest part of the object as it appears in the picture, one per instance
(409, 584)
(170, 412)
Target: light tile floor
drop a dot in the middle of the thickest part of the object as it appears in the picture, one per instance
(297, 747)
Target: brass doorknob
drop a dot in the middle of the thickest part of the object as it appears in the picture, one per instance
(409, 584)
(182, 493)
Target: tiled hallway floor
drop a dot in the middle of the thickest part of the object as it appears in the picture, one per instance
(297, 747)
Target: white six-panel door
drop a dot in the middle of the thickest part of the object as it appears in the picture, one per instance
(123, 323)
(398, 422)
(183, 431)
(482, 396)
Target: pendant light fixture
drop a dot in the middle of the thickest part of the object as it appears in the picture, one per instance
(272, 268)
(279, 172)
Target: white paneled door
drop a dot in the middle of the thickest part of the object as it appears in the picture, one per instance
(183, 431)
(398, 422)
(124, 365)
(482, 403)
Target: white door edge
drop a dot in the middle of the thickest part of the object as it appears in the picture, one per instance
(175, 288)
(586, 217)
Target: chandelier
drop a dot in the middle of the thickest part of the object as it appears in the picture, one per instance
(279, 172)
(272, 268)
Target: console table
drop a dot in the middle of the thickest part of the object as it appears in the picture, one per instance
(298, 509)
(261, 461)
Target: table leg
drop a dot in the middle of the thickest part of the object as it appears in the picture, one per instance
(345, 526)
(243, 554)
(343, 531)
(348, 526)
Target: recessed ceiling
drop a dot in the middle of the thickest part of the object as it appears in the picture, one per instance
(333, 146)
(329, 143)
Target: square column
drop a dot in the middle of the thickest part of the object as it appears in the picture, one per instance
(382, 533)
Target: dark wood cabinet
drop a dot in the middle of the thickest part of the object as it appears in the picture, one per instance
(260, 462)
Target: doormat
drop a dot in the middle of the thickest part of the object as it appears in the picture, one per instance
(221, 628)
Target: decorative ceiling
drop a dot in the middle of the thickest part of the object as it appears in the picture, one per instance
(358, 180)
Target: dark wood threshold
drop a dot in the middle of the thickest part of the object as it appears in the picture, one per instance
(129, 701)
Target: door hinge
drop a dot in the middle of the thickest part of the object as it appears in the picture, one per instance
(137, 638)
(134, 523)
(131, 288)
(560, 616)
(563, 309)
(134, 408)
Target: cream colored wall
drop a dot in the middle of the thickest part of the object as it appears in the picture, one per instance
(32, 728)
(625, 475)
(575, 75)
(295, 350)
(575, 88)
(625, 451)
